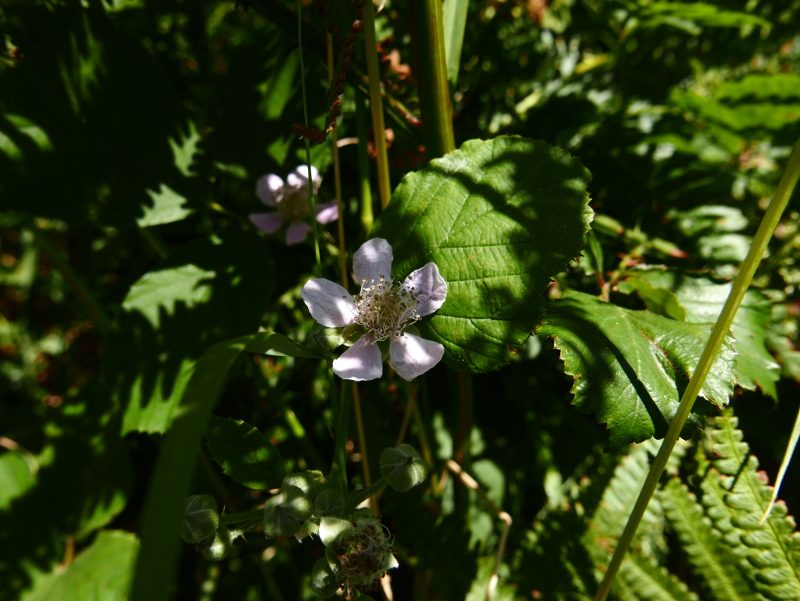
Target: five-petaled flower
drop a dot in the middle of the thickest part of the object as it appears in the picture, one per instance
(383, 309)
(292, 203)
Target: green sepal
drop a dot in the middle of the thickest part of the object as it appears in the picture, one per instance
(403, 467)
(200, 518)
(217, 546)
(285, 513)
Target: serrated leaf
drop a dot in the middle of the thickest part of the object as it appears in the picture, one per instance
(499, 218)
(278, 345)
(703, 298)
(631, 367)
(202, 294)
(245, 454)
(101, 573)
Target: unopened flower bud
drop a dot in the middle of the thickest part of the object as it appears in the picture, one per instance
(403, 467)
(286, 512)
(200, 518)
(217, 546)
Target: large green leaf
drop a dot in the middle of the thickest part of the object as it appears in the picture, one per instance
(101, 573)
(245, 454)
(204, 293)
(631, 367)
(703, 298)
(499, 218)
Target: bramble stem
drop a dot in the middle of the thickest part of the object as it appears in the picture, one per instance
(245, 516)
(740, 285)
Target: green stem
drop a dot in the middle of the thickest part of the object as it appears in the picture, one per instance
(99, 317)
(740, 285)
(362, 130)
(455, 22)
(434, 91)
(238, 518)
(341, 417)
(376, 104)
(356, 498)
(307, 144)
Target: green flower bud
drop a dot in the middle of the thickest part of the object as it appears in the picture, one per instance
(361, 552)
(200, 518)
(330, 502)
(324, 578)
(286, 512)
(217, 546)
(403, 467)
(308, 481)
(326, 340)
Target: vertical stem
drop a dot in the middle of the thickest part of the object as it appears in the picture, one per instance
(341, 418)
(455, 22)
(362, 446)
(337, 174)
(307, 144)
(362, 129)
(437, 117)
(376, 104)
(768, 224)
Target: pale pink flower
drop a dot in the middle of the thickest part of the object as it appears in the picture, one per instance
(383, 309)
(292, 203)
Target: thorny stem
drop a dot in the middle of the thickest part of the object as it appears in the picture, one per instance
(740, 285)
(307, 143)
(337, 174)
(240, 518)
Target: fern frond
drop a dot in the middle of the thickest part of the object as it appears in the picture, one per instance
(653, 582)
(712, 561)
(735, 495)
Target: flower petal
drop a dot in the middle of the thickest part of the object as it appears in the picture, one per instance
(372, 260)
(360, 362)
(298, 178)
(329, 303)
(413, 356)
(327, 212)
(266, 222)
(296, 232)
(269, 188)
(430, 286)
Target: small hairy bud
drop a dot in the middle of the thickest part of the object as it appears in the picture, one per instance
(200, 518)
(217, 546)
(286, 512)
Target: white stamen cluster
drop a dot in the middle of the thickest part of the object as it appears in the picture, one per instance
(385, 308)
(294, 204)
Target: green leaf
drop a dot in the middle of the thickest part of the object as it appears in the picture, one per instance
(631, 367)
(168, 207)
(245, 454)
(703, 298)
(402, 467)
(657, 300)
(499, 218)
(15, 477)
(278, 345)
(204, 293)
(100, 573)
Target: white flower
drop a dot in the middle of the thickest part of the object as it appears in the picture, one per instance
(383, 308)
(291, 201)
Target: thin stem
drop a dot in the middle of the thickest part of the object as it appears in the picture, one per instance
(337, 174)
(239, 518)
(376, 104)
(787, 459)
(341, 416)
(307, 143)
(740, 285)
(410, 404)
(362, 129)
(362, 445)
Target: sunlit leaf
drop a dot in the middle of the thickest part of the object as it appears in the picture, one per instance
(631, 367)
(499, 218)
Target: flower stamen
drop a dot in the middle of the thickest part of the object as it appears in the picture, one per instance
(385, 308)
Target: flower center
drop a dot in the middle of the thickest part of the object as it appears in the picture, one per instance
(295, 204)
(385, 308)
